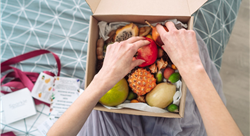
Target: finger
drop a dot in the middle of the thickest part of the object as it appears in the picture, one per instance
(170, 25)
(163, 33)
(183, 29)
(134, 39)
(164, 47)
(133, 59)
(140, 43)
(137, 63)
(160, 29)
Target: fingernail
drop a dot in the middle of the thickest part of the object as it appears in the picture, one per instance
(158, 25)
(142, 60)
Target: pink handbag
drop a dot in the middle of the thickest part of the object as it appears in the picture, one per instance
(24, 79)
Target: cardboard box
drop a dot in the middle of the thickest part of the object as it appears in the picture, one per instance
(137, 11)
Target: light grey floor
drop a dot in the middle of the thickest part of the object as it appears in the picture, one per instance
(235, 70)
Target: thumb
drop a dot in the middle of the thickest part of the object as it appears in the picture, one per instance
(137, 63)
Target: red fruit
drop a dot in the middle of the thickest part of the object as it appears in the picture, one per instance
(156, 36)
(167, 72)
(148, 53)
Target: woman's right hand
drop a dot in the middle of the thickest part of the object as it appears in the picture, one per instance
(181, 46)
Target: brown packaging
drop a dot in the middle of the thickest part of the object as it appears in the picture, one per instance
(137, 11)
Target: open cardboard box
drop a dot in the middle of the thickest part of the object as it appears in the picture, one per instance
(137, 11)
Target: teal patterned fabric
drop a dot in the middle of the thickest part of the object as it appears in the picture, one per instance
(61, 26)
(58, 26)
(214, 22)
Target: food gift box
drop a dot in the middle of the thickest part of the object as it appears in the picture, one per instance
(136, 11)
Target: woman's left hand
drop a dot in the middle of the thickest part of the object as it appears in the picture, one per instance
(119, 60)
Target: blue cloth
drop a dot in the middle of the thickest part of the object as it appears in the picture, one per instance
(59, 26)
(214, 22)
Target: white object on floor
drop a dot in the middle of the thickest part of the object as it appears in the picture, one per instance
(45, 126)
(18, 105)
(43, 88)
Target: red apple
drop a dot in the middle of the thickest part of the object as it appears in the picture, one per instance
(148, 53)
(167, 72)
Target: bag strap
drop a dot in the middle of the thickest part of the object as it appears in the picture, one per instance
(17, 59)
(8, 134)
(32, 75)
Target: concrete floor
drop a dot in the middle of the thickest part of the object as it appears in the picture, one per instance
(235, 70)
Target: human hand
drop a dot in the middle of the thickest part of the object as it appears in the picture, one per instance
(181, 46)
(118, 61)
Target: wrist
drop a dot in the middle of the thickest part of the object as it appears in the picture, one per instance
(102, 80)
(195, 77)
(192, 69)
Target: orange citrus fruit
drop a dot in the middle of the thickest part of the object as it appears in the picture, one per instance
(134, 101)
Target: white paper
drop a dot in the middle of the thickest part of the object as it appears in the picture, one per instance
(105, 28)
(43, 88)
(45, 126)
(80, 91)
(138, 106)
(177, 23)
(178, 93)
(66, 92)
(18, 105)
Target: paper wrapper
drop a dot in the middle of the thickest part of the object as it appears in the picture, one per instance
(105, 28)
(138, 106)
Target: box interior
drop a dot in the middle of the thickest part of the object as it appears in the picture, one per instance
(91, 60)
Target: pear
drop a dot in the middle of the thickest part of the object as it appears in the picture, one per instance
(162, 95)
(155, 35)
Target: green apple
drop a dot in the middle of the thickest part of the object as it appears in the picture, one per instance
(116, 95)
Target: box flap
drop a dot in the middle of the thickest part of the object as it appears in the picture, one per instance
(145, 7)
(93, 4)
(195, 5)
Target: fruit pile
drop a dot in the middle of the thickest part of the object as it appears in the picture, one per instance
(152, 82)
